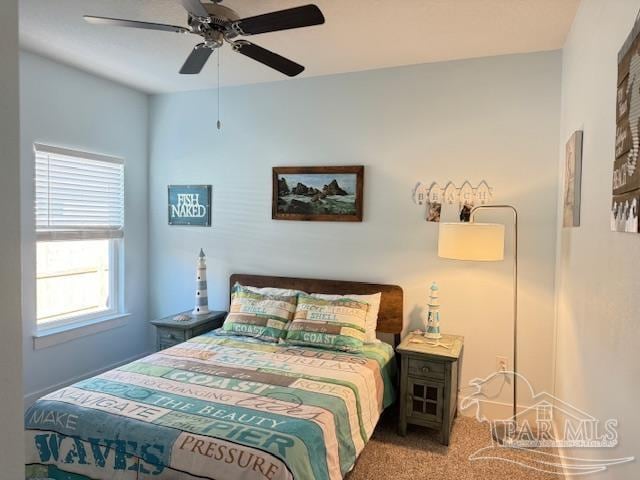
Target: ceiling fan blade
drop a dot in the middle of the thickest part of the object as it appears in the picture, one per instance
(118, 22)
(268, 58)
(196, 59)
(195, 8)
(296, 17)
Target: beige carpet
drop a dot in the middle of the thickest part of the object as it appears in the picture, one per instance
(419, 455)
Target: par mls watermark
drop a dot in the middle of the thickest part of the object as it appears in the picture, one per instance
(533, 437)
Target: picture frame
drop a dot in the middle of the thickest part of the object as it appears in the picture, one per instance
(189, 205)
(572, 180)
(625, 194)
(320, 194)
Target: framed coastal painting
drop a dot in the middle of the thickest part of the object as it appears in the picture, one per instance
(325, 194)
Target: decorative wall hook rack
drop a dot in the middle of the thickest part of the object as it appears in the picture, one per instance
(464, 197)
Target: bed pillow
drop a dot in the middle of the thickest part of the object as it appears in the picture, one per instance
(335, 324)
(271, 290)
(371, 322)
(257, 315)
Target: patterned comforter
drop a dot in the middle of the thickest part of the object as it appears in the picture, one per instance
(214, 408)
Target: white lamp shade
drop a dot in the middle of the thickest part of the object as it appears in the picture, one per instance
(483, 242)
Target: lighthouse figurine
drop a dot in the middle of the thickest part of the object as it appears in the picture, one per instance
(433, 315)
(202, 302)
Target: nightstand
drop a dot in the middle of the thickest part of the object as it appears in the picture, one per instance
(171, 332)
(429, 382)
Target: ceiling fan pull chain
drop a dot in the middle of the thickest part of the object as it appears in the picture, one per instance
(219, 123)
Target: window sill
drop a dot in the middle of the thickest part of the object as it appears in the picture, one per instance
(48, 337)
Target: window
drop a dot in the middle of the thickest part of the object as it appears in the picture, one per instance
(79, 211)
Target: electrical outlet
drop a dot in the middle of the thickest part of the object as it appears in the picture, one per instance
(502, 364)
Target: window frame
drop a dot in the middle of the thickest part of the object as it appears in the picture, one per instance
(116, 246)
(115, 292)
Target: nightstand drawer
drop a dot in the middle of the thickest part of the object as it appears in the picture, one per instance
(425, 368)
(202, 329)
(170, 331)
(171, 335)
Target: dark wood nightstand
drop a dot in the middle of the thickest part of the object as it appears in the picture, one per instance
(171, 332)
(429, 382)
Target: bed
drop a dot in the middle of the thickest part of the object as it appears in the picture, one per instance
(221, 407)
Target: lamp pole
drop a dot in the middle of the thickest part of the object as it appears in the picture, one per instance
(473, 213)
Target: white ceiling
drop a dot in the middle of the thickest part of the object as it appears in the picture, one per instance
(358, 35)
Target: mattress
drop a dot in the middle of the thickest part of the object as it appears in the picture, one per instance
(214, 407)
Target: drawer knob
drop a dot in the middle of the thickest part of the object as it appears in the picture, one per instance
(425, 369)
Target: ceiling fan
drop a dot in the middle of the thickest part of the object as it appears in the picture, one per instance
(217, 24)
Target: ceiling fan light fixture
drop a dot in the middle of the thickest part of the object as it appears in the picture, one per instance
(216, 24)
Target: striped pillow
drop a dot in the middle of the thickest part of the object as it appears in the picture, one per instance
(335, 324)
(257, 315)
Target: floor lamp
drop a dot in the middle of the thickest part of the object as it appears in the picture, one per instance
(484, 242)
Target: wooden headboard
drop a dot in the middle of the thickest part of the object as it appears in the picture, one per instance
(390, 315)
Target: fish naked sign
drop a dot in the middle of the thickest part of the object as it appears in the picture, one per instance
(190, 205)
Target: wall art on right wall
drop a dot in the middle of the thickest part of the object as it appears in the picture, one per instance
(572, 180)
(626, 174)
(624, 212)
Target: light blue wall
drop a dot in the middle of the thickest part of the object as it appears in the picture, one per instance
(63, 106)
(598, 283)
(493, 118)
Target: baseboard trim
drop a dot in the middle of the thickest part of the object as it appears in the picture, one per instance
(30, 398)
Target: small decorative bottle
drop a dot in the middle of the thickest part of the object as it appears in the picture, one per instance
(433, 315)
(202, 302)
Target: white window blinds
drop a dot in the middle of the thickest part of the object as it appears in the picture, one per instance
(78, 195)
